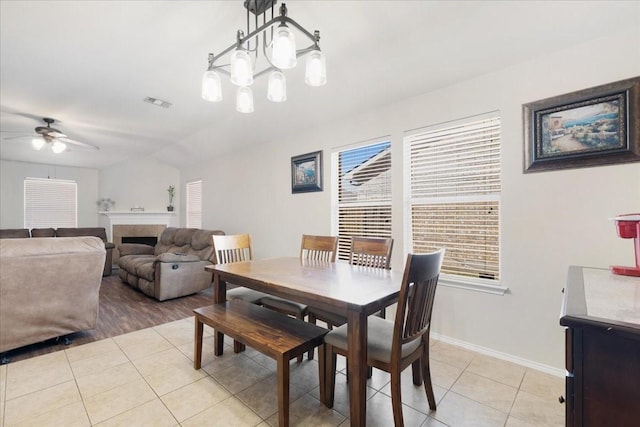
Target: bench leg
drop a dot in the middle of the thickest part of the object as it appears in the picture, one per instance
(218, 343)
(238, 347)
(197, 344)
(283, 392)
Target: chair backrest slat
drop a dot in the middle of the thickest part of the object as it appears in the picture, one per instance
(417, 294)
(319, 248)
(371, 251)
(232, 248)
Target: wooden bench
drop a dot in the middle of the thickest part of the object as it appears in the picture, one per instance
(274, 334)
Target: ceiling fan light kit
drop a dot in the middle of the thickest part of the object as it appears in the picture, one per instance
(278, 47)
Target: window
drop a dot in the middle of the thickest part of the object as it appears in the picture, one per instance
(454, 197)
(363, 203)
(50, 203)
(194, 204)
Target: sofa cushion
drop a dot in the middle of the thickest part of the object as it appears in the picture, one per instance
(82, 231)
(43, 232)
(171, 257)
(130, 263)
(145, 269)
(14, 233)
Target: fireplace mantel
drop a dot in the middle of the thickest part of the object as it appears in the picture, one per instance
(134, 218)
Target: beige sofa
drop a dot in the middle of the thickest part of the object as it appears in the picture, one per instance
(18, 233)
(49, 287)
(171, 269)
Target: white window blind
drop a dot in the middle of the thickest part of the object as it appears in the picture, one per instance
(50, 203)
(194, 204)
(363, 193)
(454, 192)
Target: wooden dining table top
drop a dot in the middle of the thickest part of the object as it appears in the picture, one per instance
(335, 286)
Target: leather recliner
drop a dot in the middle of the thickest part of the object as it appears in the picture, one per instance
(171, 269)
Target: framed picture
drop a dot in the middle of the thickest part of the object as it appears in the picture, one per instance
(592, 127)
(306, 172)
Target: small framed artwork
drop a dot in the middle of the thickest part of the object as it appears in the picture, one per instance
(592, 127)
(306, 172)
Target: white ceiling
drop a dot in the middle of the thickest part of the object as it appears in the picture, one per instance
(89, 65)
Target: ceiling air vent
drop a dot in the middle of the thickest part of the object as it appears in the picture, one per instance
(158, 102)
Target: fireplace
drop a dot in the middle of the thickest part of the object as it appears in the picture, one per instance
(144, 240)
(135, 233)
(135, 225)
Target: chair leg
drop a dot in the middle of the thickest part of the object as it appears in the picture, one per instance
(312, 320)
(396, 398)
(426, 378)
(322, 373)
(416, 369)
(301, 356)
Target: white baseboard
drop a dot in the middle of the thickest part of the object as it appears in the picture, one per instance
(499, 355)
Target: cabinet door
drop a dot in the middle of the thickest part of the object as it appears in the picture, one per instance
(610, 380)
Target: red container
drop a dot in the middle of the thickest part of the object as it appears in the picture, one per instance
(626, 225)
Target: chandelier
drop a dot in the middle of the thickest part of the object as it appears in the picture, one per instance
(278, 46)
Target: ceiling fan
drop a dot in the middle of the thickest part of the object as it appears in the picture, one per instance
(56, 140)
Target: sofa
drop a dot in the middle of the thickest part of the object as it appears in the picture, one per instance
(174, 267)
(17, 233)
(48, 288)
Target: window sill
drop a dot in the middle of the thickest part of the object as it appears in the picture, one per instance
(478, 285)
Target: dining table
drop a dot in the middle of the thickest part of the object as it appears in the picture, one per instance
(355, 292)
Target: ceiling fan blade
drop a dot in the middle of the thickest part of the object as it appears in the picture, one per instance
(19, 136)
(78, 143)
(56, 134)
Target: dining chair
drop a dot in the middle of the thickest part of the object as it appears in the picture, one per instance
(393, 346)
(371, 251)
(365, 251)
(236, 248)
(314, 248)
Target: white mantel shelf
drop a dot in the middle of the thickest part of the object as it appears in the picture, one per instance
(122, 213)
(136, 217)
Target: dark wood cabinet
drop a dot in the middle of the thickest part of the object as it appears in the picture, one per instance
(601, 313)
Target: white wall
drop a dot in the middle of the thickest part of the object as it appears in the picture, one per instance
(12, 175)
(550, 220)
(141, 183)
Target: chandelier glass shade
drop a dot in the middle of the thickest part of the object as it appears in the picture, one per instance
(244, 100)
(274, 44)
(284, 48)
(241, 68)
(316, 70)
(211, 86)
(277, 88)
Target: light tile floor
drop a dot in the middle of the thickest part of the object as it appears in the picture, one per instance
(147, 378)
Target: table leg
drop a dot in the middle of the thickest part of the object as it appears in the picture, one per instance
(219, 297)
(357, 367)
